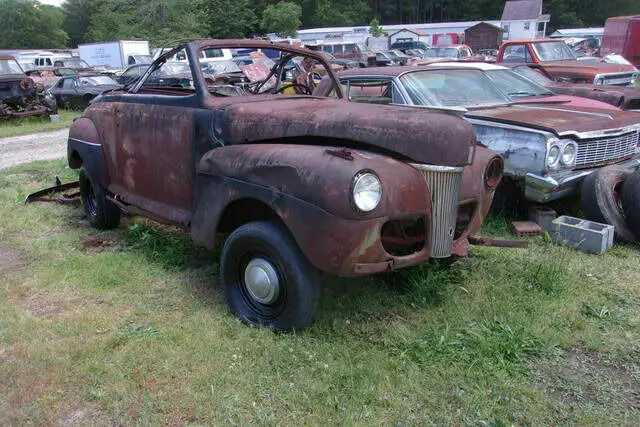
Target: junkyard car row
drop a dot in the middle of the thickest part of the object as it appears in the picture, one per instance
(19, 95)
(311, 166)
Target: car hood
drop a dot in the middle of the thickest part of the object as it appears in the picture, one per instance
(557, 100)
(561, 119)
(621, 96)
(588, 67)
(414, 134)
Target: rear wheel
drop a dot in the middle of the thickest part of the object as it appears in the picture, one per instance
(267, 279)
(101, 213)
(601, 201)
(631, 202)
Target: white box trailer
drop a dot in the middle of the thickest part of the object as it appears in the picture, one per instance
(115, 55)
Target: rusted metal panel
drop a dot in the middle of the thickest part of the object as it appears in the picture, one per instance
(421, 136)
(149, 155)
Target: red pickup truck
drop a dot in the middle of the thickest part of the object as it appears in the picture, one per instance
(622, 36)
(557, 60)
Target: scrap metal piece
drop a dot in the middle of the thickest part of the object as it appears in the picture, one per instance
(485, 241)
(42, 195)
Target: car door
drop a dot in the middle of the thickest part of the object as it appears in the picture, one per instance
(150, 152)
(373, 90)
(65, 90)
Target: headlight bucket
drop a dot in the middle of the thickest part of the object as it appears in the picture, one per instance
(553, 155)
(366, 191)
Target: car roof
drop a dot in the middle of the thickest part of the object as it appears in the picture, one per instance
(400, 70)
(532, 40)
(5, 57)
(484, 66)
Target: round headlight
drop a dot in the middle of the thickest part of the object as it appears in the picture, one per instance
(367, 191)
(553, 157)
(569, 153)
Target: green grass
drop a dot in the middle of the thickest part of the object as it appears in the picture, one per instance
(129, 326)
(27, 125)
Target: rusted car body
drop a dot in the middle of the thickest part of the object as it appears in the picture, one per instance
(532, 138)
(19, 95)
(557, 60)
(623, 97)
(263, 160)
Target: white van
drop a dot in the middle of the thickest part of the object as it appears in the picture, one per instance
(206, 55)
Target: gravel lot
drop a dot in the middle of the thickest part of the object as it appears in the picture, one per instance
(28, 148)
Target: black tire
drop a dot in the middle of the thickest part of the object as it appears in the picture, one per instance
(86, 100)
(101, 213)
(631, 202)
(600, 196)
(291, 305)
(508, 200)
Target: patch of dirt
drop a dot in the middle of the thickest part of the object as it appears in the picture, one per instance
(583, 378)
(79, 416)
(98, 243)
(41, 306)
(10, 261)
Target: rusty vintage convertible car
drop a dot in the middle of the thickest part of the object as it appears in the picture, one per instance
(302, 183)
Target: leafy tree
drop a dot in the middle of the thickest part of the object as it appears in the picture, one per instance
(229, 18)
(282, 18)
(77, 18)
(28, 24)
(375, 29)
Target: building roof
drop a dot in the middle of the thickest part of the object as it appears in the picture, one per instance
(578, 32)
(416, 32)
(515, 10)
(497, 27)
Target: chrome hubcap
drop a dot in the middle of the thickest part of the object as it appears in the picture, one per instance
(261, 280)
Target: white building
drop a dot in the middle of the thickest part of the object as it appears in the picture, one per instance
(523, 19)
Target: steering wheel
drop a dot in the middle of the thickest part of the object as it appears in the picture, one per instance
(304, 88)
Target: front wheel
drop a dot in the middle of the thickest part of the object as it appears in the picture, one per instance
(101, 213)
(267, 279)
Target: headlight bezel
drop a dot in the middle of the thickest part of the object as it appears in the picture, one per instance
(561, 145)
(357, 178)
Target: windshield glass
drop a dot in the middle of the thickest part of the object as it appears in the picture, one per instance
(97, 80)
(553, 51)
(10, 66)
(531, 74)
(221, 67)
(515, 86)
(442, 52)
(143, 59)
(452, 88)
(75, 63)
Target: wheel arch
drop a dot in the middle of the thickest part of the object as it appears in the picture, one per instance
(85, 149)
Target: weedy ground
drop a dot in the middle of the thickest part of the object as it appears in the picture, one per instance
(28, 125)
(129, 326)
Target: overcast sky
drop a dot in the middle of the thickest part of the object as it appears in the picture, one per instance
(51, 2)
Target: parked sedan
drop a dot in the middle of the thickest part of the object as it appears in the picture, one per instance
(625, 97)
(548, 149)
(131, 74)
(78, 91)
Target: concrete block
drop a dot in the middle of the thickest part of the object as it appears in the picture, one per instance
(588, 236)
(542, 215)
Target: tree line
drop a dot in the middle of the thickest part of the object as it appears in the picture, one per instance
(29, 24)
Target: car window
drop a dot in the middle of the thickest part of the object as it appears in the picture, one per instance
(213, 53)
(531, 74)
(68, 83)
(452, 88)
(515, 86)
(327, 48)
(171, 74)
(10, 66)
(374, 91)
(515, 53)
(553, 51)
(96, 80)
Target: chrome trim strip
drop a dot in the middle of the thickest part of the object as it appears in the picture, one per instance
(85, 142)
(586, 113)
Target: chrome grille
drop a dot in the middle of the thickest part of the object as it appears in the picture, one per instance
(623, 79)
(444, 183)
(606, 149)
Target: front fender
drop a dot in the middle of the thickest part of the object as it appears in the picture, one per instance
(84, 149)
(321, 176)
